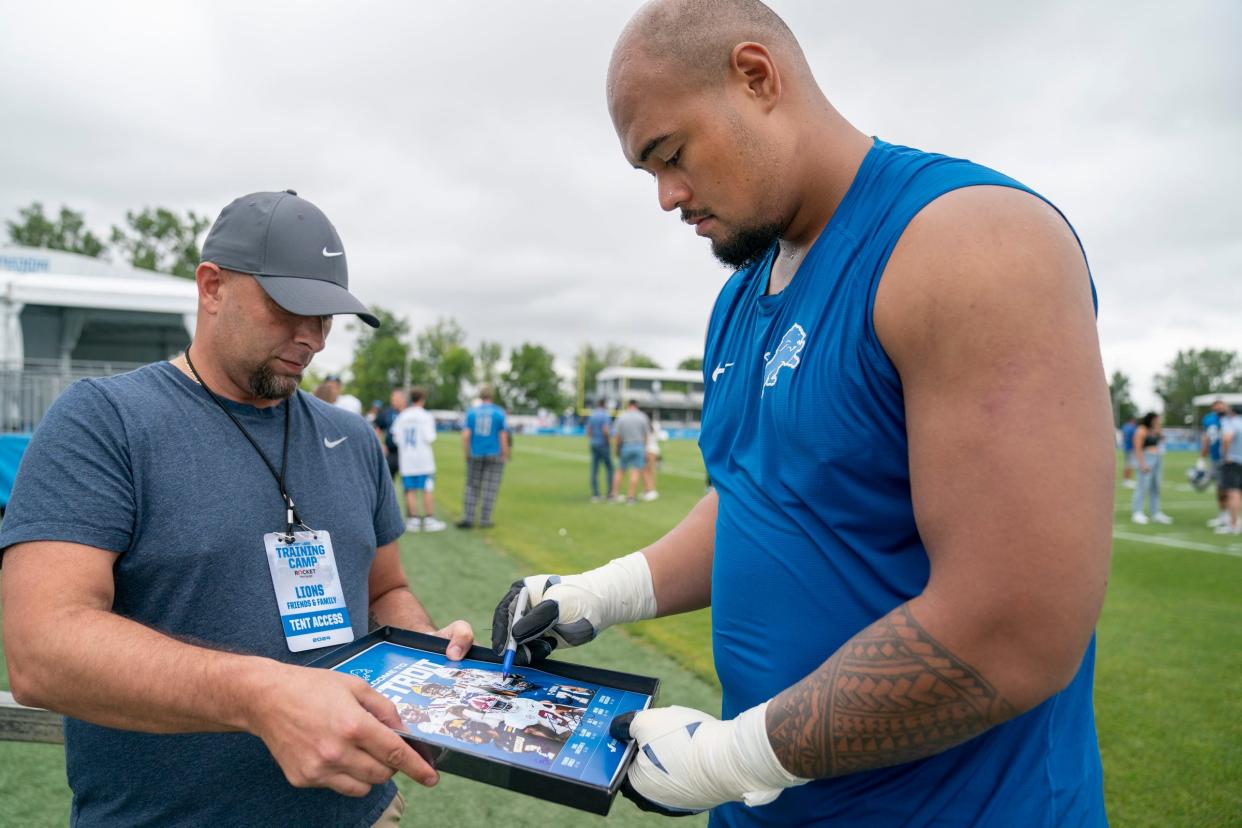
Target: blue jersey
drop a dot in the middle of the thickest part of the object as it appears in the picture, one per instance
(1211, 427)
(596, 426)
(485, 422)
(1127, 437)
(804, 437)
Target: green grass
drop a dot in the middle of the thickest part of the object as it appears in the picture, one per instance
(1168, 665)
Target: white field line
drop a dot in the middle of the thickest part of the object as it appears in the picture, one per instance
(585, 459)
(1233, 549)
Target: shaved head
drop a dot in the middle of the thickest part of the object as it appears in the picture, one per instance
(695, 38)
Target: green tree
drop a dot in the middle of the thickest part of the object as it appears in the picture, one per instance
(634, 359)
(531, 382)
(1195, 372)
(442, 363)
(160, 239)
(487, 358)
(379, 355)
(590, 362)
(68, 232)
(1119, 391)
(691, 364)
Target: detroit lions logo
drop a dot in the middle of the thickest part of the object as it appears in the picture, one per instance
(785, 356)
(361, 672)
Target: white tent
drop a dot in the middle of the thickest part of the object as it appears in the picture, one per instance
(61, 308)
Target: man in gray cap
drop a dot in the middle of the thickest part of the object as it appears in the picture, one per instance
(182, 538)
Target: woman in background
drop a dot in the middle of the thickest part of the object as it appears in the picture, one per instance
(1148, 448)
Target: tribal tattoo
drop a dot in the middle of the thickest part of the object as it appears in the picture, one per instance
(891, 694)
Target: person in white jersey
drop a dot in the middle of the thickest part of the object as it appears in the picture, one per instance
(414, 431)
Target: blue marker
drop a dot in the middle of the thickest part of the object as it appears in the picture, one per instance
(511, 647)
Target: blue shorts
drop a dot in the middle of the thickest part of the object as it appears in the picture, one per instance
(633, 455)
(418, 482)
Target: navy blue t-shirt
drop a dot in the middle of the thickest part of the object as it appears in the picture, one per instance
(146, 465)
(804, 437)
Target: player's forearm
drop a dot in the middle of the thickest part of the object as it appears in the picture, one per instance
(166, 685)
(681, 561)
(399, 608)
(893, 693)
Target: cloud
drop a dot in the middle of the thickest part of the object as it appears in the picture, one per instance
(465, 153)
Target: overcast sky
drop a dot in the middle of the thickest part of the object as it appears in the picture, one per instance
(464, 151)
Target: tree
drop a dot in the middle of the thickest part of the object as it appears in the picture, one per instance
(442, 363)
(67, 233)
(639, 360)
(1195, 372)
(691, 364)
(159, 239)
(379, 356)
(1119, 391)
(487, 357)
(590, 362)
(531, 382)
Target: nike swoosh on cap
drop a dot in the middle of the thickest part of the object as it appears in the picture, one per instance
(330, 255)
(333, 443)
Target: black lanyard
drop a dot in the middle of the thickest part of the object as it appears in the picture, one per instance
(291, 513)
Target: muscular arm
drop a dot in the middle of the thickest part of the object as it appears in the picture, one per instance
(681, 561)
(985, 310)
(394, 604)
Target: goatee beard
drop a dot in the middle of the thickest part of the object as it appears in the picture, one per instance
(268, 386)
(747, 246)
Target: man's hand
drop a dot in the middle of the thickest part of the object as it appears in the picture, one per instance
(688, 761)
(460, 635)
(573, 609)
(329, 730)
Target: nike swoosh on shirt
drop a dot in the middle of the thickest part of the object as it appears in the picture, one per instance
(333, 443)
(330, 255)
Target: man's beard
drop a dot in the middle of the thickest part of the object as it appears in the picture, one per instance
(266, 385)
(747, 246)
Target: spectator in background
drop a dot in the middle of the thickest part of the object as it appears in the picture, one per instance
(413, 432)
(397, 401)
(374, 410)
(1127, 447)
(630, 434)
(653, 460)
(486, 443)
(1210, 451)
(1148, 448)
(327, 392)
(1231, 470)
(346, 401)
(598, 426)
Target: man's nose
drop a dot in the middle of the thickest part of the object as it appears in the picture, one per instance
(312, 331)
(673, 191)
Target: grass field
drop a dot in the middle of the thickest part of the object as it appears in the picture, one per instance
(1169, 642)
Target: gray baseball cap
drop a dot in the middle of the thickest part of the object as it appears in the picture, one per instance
(291, 249)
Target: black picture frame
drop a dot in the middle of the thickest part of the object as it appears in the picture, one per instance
(532, 782)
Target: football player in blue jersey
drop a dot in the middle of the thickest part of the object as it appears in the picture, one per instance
(900, 640)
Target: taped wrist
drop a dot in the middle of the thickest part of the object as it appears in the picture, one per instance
(762, 775)
(618, 592)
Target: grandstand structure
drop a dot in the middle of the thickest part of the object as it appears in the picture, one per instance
(674, 398)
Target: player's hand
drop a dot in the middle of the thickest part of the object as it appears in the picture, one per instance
(329, 730)
(572, 609)
(689, 761)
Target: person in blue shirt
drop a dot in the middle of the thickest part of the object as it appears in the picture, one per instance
(485, 440)
(598, 426)
(1210, 452)
(900, 638)
(1130, 460)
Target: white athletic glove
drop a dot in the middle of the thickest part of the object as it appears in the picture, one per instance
(572, 609)
(689, 761)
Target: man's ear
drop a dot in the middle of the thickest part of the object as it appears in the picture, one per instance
(210, 280)
(752, 63)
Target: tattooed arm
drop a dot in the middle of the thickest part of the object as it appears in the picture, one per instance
(393, 604)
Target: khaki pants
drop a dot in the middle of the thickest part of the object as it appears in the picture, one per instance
(391, 818)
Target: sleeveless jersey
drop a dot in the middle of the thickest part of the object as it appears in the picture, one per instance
(804, 438)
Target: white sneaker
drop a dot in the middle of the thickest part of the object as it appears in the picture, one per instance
(617, 499)
(413, 525)
(651, 495)
(1139, 518)
(1129, 484)
(1161, 517)
(1226, 529)
(431, 524)
(1220, 520)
